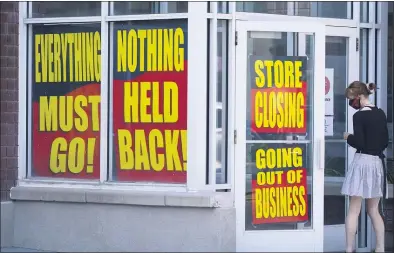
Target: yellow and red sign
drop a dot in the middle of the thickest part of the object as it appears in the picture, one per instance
(66, 101)
(149, 110)
(279, 186)
(278, 106)
(278, 96)
(150, 101)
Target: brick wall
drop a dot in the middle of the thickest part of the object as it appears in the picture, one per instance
(8, 96)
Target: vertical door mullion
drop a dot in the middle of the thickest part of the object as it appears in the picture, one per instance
(197, 96)
(231, 120)
(24, 96)
(104, 95)
(240, 111)
(318, 137)
(213, 25)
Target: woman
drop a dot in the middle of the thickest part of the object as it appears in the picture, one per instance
(364, 179)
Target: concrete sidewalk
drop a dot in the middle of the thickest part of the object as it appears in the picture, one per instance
(13, 249)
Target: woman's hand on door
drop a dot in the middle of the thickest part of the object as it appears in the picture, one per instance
(345, 135)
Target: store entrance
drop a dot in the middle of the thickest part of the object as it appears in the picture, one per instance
(341, 68)
(279, 154)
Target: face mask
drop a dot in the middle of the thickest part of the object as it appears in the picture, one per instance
(355, 103)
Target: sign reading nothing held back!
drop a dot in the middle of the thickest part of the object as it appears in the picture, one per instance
(150, 101)
(278, 98)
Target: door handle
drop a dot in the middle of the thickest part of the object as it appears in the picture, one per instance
(320, 153)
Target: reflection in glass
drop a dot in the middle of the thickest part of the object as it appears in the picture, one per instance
(223, 7)
(65, 9)
(390, 110)
(149, 7)
(262, 7)
(364, 12)
(336, 148)
(323, 9)
(130, 8)
(176, 7)
(364, 41)
(221, 103)
(390, 74)
(337, 59)
(335, 166)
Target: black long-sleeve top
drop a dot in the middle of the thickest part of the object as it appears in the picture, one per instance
(370, 131)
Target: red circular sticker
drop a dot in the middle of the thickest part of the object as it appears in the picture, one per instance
(327, 85)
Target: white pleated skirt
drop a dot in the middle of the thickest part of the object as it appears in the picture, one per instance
(364, 177)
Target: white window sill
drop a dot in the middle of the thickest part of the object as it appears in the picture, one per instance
(55, 193)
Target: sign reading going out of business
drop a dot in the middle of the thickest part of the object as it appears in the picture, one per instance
(280, 185)
(278, 105)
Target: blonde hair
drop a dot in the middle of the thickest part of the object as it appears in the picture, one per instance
(358, 88)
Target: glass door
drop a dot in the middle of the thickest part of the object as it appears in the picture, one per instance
(279, 151)
(341, 68)
(342, 61)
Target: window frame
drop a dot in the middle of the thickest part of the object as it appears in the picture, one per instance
(381, 58)
(227, 106)
(198, 18)
(197, 100)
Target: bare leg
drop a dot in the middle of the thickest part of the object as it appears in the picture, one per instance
(377, 222)
(352, 221)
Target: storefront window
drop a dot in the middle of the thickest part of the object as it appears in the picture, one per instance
(363, 51)
(336, 72)
(148, 94)
(221, 102)
(177, 7)
(65, 9)
(390, 71)
(130, 8)
(364, 12)
(390, 89)
(335, 167)
(340, 10)
(223, 7)
(148, 7)
(263, 7)
(66, 76)
(77, 9)
(149, 101)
